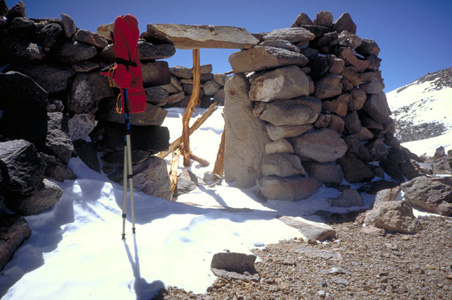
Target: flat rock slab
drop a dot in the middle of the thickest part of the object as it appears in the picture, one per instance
(310, 230)
(204, 36)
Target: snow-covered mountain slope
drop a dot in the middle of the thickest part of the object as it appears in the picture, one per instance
(423, 108)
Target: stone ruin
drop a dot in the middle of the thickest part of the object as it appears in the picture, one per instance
(306, 107)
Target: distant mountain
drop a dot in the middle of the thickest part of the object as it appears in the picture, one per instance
(423, 108)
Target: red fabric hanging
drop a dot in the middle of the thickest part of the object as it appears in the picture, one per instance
(127, 72)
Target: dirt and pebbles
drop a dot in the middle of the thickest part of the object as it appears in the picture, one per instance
(356, 265)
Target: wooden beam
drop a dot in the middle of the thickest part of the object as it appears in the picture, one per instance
(199, 121)
(219, 162)
(194, 100)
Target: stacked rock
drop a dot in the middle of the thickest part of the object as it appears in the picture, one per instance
(53, 95)
(181, 87)
(306, 107)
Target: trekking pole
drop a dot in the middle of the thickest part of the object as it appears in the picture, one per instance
(128, 172)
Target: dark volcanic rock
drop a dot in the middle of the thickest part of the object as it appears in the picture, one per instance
(23, 103)
(14, 231)
(22, 167)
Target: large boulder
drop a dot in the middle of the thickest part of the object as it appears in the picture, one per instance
(433, 194)
(22, 168)
(393, 216)
(322, 145)
(282, 83)
(246, 135)
(151, 177)
(14, 230)
(23, 103)
(260, 58)
(48, 195)
(288, 188)
(297, 111)
(52, 78)
(344, 22)
(81, 125)
(377, 107)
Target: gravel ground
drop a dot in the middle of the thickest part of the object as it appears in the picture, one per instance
(356, 265)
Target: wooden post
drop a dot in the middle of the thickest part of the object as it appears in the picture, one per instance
(219, 162)
(174, 165)
(191, 107)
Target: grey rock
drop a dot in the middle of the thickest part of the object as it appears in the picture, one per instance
(234, 262)
(81, 125)
(210, 88)
(50, 36)
(280, 132)
(293, 35)
(350, 58)
(278, 146)
(322, 145)
(85, 66)
(58, 142)
(348, 198)
(338, 106)
(344, 22)
(57, 170)
(347, 39)
(186, 182)
(91, 38)
(280, 44)
(14, 230)
(302, 19)
(327, 173)
(282, 165)
(329, 86)
(247, 135)
(433, 194)
(368, 47)
(297, 111)
(149, 51)
(157, 95)
(288, 188)
(282, 83)
(310, 230)
(393, 216)
(68, 25)
(323, 18)
(21, 166)
(155, 73)
(260, 58)
(354, 169)
(24, 106)
(204, 36)
(117, 157)
(86, 91)
(377, 107)
(152, 115)
(20, 50)
(74, 51)
(152, 178)
(47, 196)
(373, 87)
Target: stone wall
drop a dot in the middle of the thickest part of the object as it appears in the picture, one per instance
(55, 103)
(306, 107)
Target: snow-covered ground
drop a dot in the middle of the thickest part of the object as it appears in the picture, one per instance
(76, 250)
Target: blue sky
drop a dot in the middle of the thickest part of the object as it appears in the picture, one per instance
(414, 36)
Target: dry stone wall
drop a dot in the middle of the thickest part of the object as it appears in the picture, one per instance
(306, 107)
